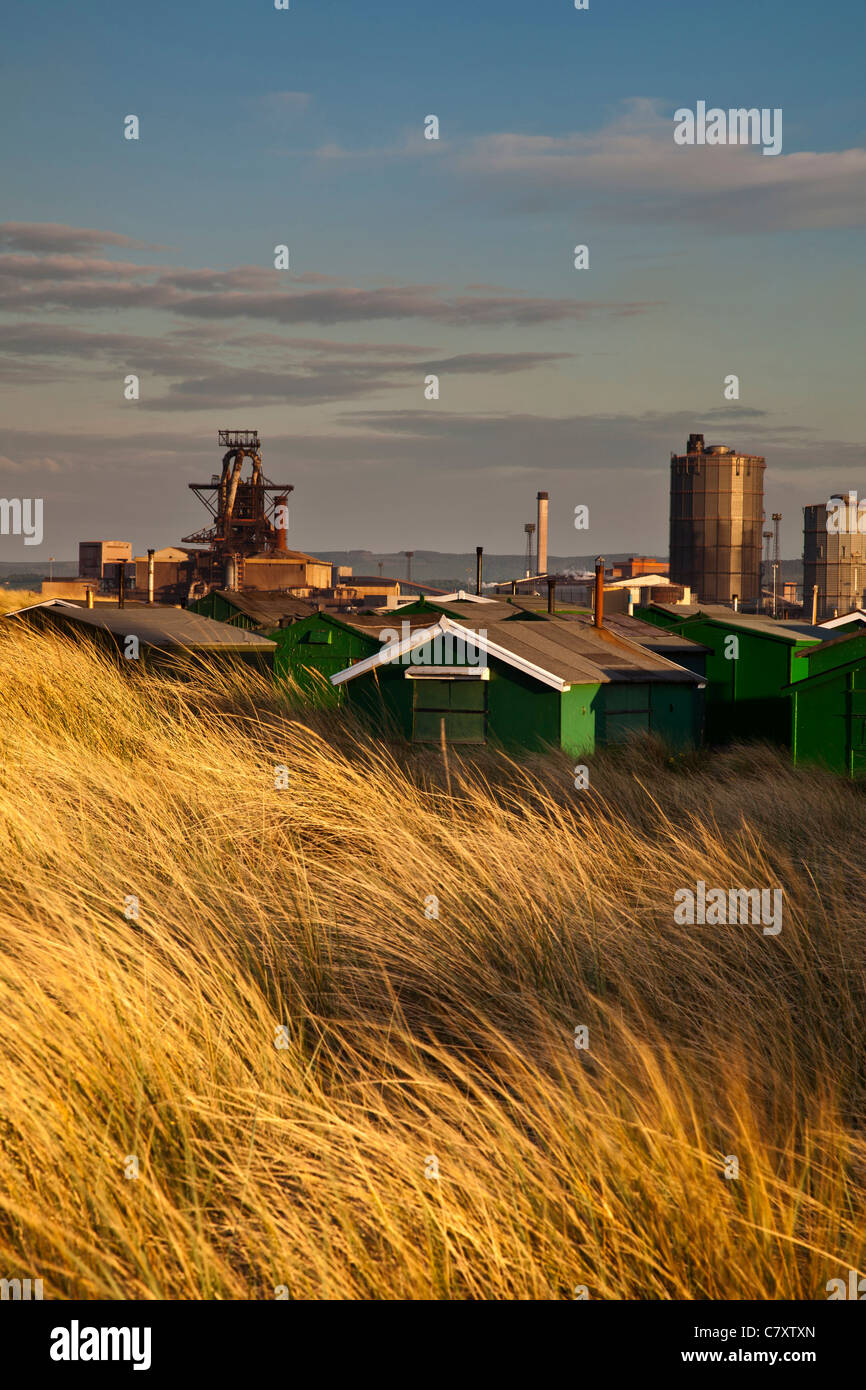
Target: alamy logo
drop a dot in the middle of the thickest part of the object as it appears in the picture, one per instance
(735, 127)
(856, 1288)
(846, 516)
(434, 647)
(22, 516)
(717, 907)
(75, 1343)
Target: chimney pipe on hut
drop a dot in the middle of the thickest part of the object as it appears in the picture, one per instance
(599, 592)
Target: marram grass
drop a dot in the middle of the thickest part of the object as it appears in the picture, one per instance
(411, 1044)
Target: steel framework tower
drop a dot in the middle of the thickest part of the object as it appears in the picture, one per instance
(243, 509)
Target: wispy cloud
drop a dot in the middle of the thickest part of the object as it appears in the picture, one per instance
(55, 281)
(632, 167)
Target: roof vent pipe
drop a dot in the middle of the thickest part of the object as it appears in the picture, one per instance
(599, 591)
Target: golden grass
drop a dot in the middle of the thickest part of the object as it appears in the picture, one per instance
(11, 599)
(408, 1038)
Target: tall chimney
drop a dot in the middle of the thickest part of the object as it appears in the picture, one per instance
(599, 592)
(479, 554)
(551, 595)
(542, 533)
(281, 543)
(150, 578)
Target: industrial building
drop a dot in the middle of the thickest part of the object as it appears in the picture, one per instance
(716, 517)
(94, 557)
(638, 566)
(834, 559)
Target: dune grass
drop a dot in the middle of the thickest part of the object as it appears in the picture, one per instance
(17, 598)
(290, 1049)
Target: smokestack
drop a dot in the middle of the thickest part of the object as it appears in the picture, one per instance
(599, 592)
(551, 595)
(121, 585)
(281, 543)
(542, 533)
(479, 555)
(150, 579)
(814, 605)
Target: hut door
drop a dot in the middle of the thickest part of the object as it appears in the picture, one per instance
(457, 705)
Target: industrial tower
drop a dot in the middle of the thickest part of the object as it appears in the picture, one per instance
(246, 520)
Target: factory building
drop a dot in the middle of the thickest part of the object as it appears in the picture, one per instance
(95, 557)
(834, 557)
(716, 516)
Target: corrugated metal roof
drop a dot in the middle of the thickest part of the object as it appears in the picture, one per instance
(577, 653)
(266, 605)
(571, 653)
(164, 629)
(655, 639)
(785, 630)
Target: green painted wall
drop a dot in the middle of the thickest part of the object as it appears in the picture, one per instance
(524, 714)
(577, 716)
(829, 656)
(313, 649)
(820, 723)
(828, 707)
(745, 696)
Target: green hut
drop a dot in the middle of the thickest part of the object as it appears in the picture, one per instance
(523, 684)
(828, 705)
(751, 662)
(258, 610)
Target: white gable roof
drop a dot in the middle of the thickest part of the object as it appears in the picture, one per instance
(857, 615)
(421, 636)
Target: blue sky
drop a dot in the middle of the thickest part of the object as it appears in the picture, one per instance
(409, 256)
